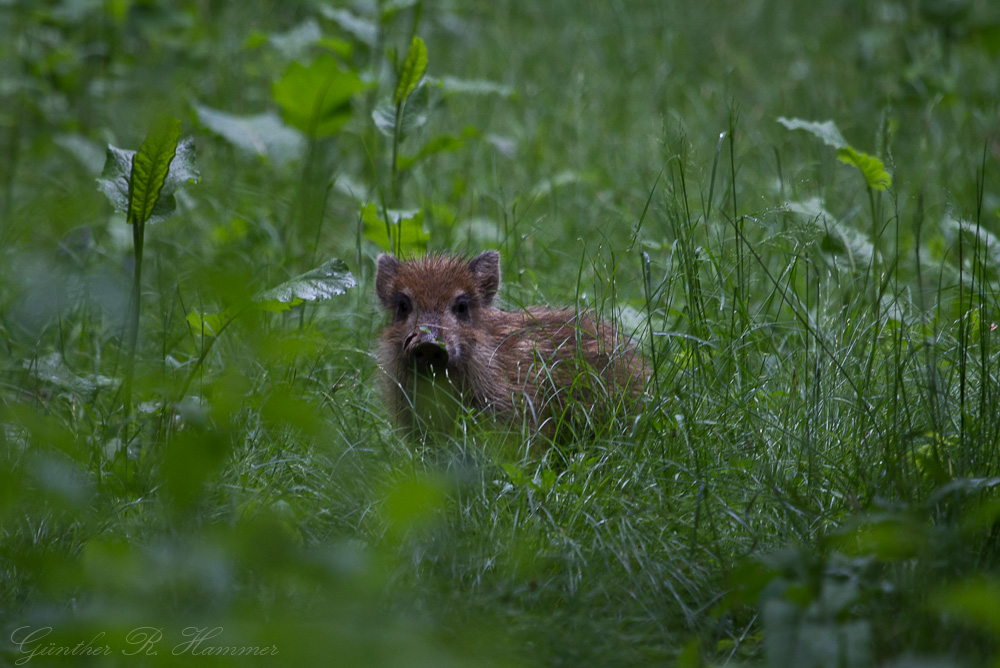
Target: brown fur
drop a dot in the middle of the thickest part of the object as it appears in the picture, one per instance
(531, 365)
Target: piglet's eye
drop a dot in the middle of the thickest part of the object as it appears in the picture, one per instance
(403, 307)
(461, 307)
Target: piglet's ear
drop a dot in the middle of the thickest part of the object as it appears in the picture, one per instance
(387, 268)
(486, 268)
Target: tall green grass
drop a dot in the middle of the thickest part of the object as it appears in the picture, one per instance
(811, 480)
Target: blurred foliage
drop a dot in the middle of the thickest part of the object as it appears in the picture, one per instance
(812, 481)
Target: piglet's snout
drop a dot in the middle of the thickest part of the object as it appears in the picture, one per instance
(425, 350)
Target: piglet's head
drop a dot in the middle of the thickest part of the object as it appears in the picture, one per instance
(435, 302)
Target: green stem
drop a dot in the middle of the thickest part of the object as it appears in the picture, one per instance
(204, 353)
(132, 335)
(395, 154)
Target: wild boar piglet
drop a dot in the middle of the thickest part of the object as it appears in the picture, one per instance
(448, 349)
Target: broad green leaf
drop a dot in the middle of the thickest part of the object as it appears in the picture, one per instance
(296, 42)
(835, 237)
(209, 324)
(515, 474)
(871, 167)
(262, 134)
(413, 504)
(456, 86)
(114, 180)
(236, 230)
(351, 187)
(339, 47)
(987, 38)
(317, 99)
(276, 305)
(962, 486)
(439, 144)
(330, 279)
(182, 171)
(150, 167)
(363, 30)
(52, 369)
(412, 71)
(255, 39)
(414, 114)
(505, 146)
(326, 281)
(412, 237)
(827, 130)
(213, 324)
(89, 154)
(407, 224)
(389, 8)
(376, 229)
(690, 656)
(976, 236)
(384, 116)
(886, 538)
(563, 178)
(974, 601)
(118, 10)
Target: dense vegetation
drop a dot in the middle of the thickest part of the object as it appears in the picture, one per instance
(813, 478)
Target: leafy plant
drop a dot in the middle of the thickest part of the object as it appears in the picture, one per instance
(317, 100)
(326, 281)
(871, 168)
(401, 231)
(403, 113)
(141, 184)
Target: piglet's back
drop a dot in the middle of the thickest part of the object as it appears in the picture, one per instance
(560, 360)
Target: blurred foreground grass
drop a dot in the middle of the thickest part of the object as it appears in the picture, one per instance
(812, 481)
